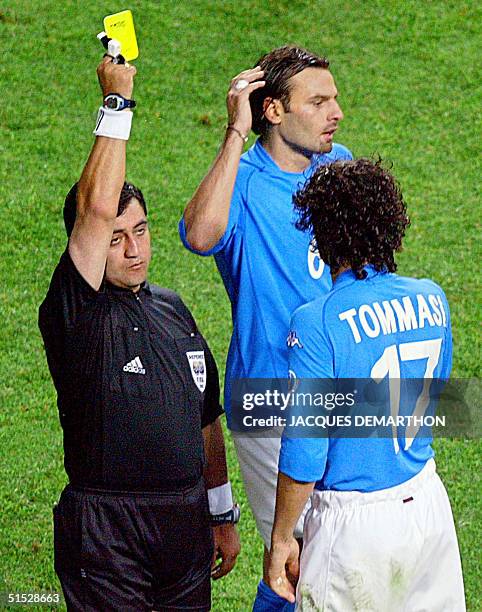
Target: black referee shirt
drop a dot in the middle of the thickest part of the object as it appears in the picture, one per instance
(135, 383)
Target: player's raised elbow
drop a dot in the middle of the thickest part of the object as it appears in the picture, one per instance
(201, 242)
(205, 221)
(203, 237)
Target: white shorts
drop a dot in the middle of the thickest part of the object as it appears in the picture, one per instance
(258, 462)
(391, 550)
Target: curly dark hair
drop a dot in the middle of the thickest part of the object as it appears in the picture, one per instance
(128, 192)
(356, 214)
(279, 66)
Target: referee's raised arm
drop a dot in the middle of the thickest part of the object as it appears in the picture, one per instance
(103, 176)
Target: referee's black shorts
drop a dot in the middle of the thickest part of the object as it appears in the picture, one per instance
(134, 551)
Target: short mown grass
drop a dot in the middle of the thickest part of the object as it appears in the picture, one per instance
(409, 81)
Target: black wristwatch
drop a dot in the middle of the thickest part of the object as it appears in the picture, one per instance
(116, 102)
(231, 516)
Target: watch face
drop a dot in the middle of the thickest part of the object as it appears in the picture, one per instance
(112, 102)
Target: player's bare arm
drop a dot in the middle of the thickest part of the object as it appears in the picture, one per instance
(207, 213)
(226, 538)
(283, 569)
(100, 185)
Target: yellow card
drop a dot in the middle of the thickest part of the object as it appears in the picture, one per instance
(121, 27)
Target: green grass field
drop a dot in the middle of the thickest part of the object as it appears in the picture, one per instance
(409, 84)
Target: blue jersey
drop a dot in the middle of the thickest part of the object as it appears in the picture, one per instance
(267, 265)
(385, 326)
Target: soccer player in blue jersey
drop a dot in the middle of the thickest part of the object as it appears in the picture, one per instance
(242, 213)
(379, 534)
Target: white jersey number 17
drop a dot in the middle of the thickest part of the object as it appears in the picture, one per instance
(389, 364)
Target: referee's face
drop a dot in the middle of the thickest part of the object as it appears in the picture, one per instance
(130, 249)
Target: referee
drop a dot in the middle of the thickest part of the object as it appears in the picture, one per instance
(138, 398)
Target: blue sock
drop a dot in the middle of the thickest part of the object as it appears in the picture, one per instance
(268, 601)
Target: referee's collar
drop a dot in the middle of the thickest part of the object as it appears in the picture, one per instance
(144, 288)
(348, 276)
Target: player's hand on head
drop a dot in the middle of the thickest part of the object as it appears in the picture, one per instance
(226, 549)
(237, 101)
(284, 569)
(116, 78)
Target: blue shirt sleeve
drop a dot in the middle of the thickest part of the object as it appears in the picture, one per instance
(310, 356)
(235, 211)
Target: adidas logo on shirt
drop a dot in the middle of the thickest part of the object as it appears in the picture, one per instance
(135, 366)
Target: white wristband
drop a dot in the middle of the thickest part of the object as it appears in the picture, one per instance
(220, 499)
(113, 124)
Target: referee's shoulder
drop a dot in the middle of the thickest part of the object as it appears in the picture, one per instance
(165, 295)
(170, 297)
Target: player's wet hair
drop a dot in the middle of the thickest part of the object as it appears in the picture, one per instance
(128, 192)
(356, 213)
(279, 66)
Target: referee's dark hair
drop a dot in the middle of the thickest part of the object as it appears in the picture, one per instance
(279, 66)
(128, 192)
(356, 213)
